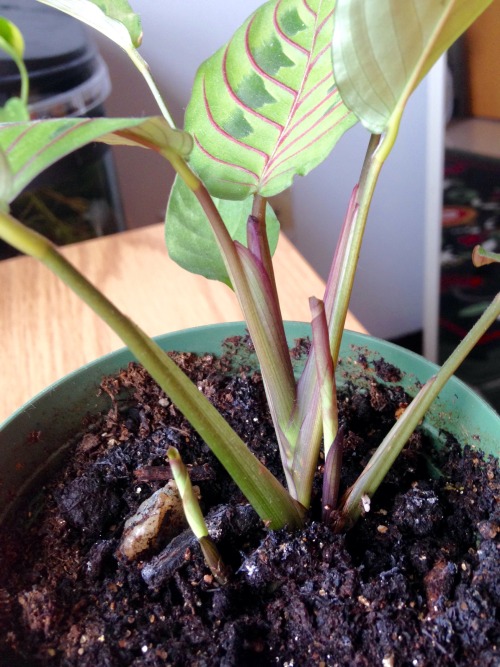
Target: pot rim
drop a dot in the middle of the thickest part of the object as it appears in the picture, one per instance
(22, 451)
(359, 339)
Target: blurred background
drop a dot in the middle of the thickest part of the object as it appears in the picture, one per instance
(439, 192)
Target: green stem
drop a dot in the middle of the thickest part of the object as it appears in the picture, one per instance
(261, 311)
(270, 342)
(24, 82)
(269, 498)
(385, 455)
(258, 243)
(337, 296)
(337, 299)
(195, 517)
(143, 68)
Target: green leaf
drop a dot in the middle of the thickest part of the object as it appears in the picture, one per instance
(14, 110)
(265, 107)
(11, 35)
(190, 240)
(31, 147)
(114, 18)
(12, 42)
(382, 50)
(6, 179)
(153, 133)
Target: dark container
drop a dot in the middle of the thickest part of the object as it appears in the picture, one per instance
(78, 197)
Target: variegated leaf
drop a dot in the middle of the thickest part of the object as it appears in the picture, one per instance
(30, 147)
(265, 107)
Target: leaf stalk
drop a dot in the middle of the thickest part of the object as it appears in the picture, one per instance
(269, 498)
(387, 452)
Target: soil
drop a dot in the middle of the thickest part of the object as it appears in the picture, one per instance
(415, 583)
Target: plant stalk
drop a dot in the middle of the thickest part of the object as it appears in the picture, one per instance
(336, 299)
(194, 516)
(325, 373)
(339, 285)
(387, 452)
(257, 296)
(269, 498)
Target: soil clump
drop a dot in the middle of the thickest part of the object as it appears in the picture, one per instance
(415, 583)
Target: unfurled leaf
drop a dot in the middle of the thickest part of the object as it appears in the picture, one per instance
(31, 147)
(190, 240)
(265, 107)
(14, 110)
(383, 48)
(114, 18)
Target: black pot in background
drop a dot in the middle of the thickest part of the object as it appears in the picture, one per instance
(78, 197)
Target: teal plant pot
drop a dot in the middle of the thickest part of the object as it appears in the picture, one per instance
(34, 437)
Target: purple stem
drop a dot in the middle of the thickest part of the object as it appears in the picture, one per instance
(331, 475)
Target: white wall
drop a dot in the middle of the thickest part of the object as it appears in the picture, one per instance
(388, 294)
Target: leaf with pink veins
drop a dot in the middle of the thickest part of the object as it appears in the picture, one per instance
(265, 107)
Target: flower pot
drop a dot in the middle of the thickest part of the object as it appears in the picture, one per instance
(33, 439)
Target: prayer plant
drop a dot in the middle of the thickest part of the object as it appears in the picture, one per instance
(268, 106)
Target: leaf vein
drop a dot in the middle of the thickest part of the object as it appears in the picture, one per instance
(53, 142)
(19, 138)
(223, 132)
(308, 8)
(282, 35)
(225, 162)
(311, 111)
(239, 102)
(307, 131)
(258, 69)
(270, 173)
(298, 95)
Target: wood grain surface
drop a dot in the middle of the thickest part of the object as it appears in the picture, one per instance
(47, 332)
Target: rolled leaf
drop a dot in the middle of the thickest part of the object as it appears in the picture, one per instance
(325, 372)
(190, 501)
(14, 110)
(265, 107)
(331, 474)
(31, 147)
(11, 39)
(482, 257)
(190, 239)
(152, 133)
(12, 42)
(382, 49)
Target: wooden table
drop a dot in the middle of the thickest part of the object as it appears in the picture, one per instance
(46, 331)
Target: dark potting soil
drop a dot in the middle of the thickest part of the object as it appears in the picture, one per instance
(415, 583)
